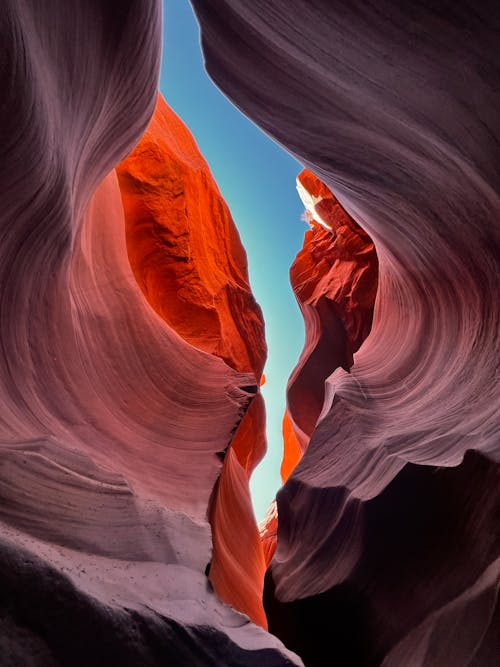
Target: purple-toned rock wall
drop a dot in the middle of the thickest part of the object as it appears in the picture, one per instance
(388, 528)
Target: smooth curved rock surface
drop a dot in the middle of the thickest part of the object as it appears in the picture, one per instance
(188, 260)
(334, 279)
(112, 424)
(70, 608)
(292, 451)
(238, 567)
(416, 567)
(238, 562)
(388, 526)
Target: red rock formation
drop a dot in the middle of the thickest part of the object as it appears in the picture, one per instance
(292, 451)
(337, 262)
(188, 260)
(268, 529)
(184, 248)
(238, 567)
(334, 278)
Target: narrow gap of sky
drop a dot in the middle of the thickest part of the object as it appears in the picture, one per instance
(257, 180)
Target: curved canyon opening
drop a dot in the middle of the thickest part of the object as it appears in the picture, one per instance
(330, 271)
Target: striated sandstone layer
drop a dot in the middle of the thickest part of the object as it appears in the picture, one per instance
(187, 257)
(388, 544)
(112, 424)
(334, 278)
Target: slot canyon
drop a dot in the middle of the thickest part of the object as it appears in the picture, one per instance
(133, 348)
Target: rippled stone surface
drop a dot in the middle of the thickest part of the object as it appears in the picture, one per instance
(113, 422)
(187, 258)
(388, 526)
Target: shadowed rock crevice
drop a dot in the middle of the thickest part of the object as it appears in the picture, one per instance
(424, 526)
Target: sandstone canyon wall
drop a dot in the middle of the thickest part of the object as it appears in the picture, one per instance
(116, 414)
(388, 527)
(132, 349)
(187, 258)
(334, 278)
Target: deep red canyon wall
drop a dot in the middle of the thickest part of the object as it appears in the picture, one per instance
(189, 262)
(334, 278)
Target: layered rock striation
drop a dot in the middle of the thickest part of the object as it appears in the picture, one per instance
(387, 549)
(115, 414)
(188, 260)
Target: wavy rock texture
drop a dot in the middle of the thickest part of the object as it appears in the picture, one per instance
(334, 278)
(189, 262)
(238, 565)
(111, 422)
(388, 527)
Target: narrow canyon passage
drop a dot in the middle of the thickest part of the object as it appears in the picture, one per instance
(346, 191)
(187, 259)
(257, 180)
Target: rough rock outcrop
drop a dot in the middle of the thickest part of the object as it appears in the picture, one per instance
(184, 248)
(112, 424)
(388, 526)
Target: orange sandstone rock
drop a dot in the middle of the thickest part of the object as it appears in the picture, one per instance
(188, 259)
(337, 262)
(238, 566)
(334, 277)
(292, 451)
(249, 442)
(184, 248)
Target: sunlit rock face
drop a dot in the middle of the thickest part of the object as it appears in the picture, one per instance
(388, 549)
(334, 278)
(188, 260)
(113, 423)
(183, 246)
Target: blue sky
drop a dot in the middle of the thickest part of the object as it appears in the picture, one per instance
(257, 180)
